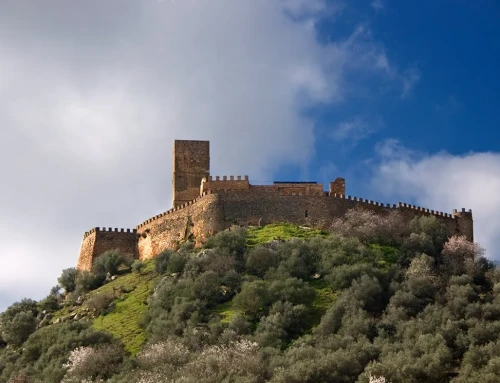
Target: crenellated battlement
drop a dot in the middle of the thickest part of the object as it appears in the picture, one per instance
(109, 230)
(204, 204)
(172, 210)
(224, 178)
(399, 205)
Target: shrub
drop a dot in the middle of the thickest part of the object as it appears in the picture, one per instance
(297, 259)
(50, 304)
(342, 277)
(461, 256)
(19, 328)
(138, 266)
(260, 259)
(291, 290)
(110, 261)
(100, 302)
(232, 243)
(68, 278)
(88, 281)
(370, 227)
(433, 228)
(176, 263)
(99, 362)
(161, 261)
(253, 298)
(19, 321)
(284, 322)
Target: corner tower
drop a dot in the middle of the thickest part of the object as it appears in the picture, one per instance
(191, 163)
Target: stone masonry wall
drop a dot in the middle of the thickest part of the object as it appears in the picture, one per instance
(200, 218)
(224, 183)
(337, 186)
(191, 162)
(97, 241)
(213, 212)
(253, 208)
(233, 184)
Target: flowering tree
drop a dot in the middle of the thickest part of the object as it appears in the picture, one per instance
(368, 226)
(461, 256)
(377, 379)
(93, 364)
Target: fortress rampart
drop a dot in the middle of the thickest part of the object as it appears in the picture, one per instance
(98, 240)
(221, 201)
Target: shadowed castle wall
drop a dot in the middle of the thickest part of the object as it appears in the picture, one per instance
(191, 162)
(98, 240)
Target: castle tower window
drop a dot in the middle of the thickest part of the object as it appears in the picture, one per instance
(306, 213)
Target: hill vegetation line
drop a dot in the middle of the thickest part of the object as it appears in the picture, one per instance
(376, 301)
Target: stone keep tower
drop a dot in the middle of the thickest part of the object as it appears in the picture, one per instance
(191, 163)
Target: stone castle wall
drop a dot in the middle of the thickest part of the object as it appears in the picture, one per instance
(191, 162)
(253, 208)
(215, 211)
(231, 184)
(98, 240)
(204, 205)
(197, 219)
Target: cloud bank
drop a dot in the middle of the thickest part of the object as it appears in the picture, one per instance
(92, 95)
(444, 182)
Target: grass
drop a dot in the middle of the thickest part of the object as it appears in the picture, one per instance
(282, 231)
(226, 311)
(387, 255)
(325, 298)
(132, 292)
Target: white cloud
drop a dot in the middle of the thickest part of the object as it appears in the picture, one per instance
(409, 79)
(378, 5)
(92, 95)
(444, 182)
(353, 130)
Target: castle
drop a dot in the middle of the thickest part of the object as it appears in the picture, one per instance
(204, 205)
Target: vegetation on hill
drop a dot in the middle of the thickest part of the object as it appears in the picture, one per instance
(375, 301)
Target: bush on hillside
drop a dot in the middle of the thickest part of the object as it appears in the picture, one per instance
(460, 256)
(138, 266)
(162, 261)
(370, 227)
(110, 261)
(232, 243)
(260, 259)
(98, 303)
(304, 310)
(93, 363)
(68, 278)
(88, 281)
(19, 321)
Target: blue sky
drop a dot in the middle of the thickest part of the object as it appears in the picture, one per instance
(397, 97)
(454, 49)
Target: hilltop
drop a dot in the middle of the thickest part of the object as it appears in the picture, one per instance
(204, 205)
(371, 299)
